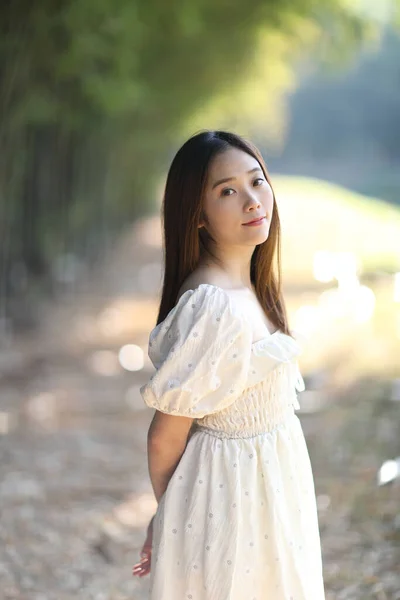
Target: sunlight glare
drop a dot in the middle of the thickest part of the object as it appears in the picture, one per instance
(131, 357)
(365, 308)
(307, 319)
(324, 266)
(389, 471)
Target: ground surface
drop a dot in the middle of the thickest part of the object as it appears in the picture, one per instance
(74, 490)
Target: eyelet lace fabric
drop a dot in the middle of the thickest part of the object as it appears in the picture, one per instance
(238, 520)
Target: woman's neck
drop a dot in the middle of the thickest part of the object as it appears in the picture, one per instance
(230, 273)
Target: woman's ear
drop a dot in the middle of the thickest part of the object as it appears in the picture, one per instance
(202, 220)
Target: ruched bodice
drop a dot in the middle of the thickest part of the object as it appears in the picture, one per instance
(258, 409)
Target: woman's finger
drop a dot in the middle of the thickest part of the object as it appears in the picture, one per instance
(142, 568)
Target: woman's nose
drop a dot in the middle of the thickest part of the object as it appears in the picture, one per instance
(253, 202)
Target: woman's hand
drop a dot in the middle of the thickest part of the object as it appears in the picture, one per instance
(143, 567)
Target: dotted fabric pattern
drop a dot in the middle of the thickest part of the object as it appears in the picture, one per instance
(238, 519)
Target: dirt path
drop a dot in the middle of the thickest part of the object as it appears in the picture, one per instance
(74, 490)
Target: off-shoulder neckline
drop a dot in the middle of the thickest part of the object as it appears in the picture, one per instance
(269, 338)
(225, 292)
(218, 287)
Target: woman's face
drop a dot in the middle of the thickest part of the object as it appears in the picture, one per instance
(242, 196)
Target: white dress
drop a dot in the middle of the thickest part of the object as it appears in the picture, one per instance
(238, 520)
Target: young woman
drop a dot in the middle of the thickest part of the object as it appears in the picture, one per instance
(237, 515)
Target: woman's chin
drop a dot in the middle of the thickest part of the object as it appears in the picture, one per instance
(258, 237)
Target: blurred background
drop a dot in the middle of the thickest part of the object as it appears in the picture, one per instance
(96, 97)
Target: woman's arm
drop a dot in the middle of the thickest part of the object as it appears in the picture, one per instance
(166, 442)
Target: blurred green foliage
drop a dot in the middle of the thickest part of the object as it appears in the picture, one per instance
(97, 93)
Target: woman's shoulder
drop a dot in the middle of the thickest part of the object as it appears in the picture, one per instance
(201, 315)
(209, 282)
(197, 299)
(201, 280)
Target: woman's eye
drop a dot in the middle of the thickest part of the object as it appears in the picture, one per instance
(223, 193)
(259, 179)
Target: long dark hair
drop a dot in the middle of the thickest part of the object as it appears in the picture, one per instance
(184, 241)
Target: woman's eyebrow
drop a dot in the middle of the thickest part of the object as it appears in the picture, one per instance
(231, 178)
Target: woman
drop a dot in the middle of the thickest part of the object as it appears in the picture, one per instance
(236, 516)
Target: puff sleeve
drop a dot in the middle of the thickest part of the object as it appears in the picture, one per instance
(201, 352)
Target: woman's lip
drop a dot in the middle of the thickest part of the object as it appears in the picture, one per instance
(255, 222)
